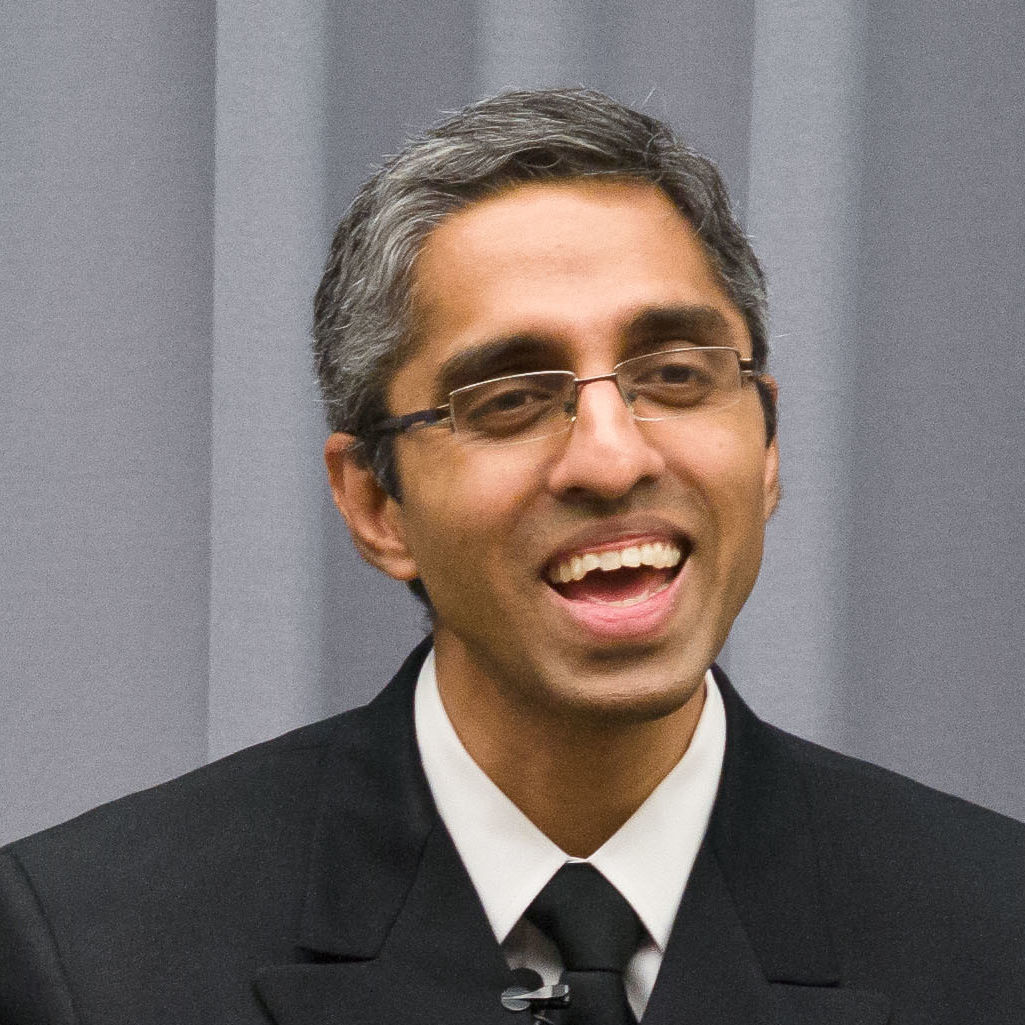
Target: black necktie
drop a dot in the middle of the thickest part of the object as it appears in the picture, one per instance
(597, 932)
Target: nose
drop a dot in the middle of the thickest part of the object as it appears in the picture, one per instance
(606, 454)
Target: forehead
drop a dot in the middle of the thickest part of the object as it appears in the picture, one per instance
(572, 266)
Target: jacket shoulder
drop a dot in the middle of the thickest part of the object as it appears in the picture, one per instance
(862, 796)
(224, 846)
(257, 785)
(160, 907)
(204, 870)
(914, 869)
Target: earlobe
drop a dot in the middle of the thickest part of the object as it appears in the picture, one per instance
(374, 518)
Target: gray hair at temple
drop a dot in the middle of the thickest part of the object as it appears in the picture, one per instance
(364, 325)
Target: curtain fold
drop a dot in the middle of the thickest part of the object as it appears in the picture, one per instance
(176, 581)
(803, 196)
(266, 581)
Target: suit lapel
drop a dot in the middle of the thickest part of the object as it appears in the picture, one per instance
(711, 974)
(391, 929)
(751, 942)
(439, 963)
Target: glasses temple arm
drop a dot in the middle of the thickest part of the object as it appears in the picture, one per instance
(399, 424)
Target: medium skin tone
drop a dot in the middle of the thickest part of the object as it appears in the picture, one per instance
(576, 709)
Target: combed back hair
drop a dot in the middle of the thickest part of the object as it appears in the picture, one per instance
(364, 328)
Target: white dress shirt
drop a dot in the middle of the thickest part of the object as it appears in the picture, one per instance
(509, 860)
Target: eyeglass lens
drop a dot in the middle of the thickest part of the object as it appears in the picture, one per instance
(656, 386)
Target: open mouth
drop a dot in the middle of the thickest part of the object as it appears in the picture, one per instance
(618, 576)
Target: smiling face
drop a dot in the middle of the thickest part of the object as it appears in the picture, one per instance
(594, 573)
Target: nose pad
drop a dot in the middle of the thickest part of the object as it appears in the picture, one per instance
(628, 397)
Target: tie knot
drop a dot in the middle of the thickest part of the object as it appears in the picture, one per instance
(590, 921)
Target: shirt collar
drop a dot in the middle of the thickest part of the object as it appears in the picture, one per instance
(509, 860)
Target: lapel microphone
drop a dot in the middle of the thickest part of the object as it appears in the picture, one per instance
(528, 992)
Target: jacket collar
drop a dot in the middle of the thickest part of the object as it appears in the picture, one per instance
(751, 942)
(764, 841)
(752, 939)
(375, 813)
(391, 929)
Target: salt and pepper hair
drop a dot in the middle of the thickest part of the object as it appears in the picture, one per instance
(364, 318)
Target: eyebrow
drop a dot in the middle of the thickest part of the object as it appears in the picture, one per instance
(508, 354)
(516, 353)
(700, 325)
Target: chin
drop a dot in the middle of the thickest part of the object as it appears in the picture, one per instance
(624, 701)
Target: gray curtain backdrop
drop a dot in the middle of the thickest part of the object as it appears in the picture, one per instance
(175, 582)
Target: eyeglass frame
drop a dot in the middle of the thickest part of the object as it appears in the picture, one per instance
(437, 415)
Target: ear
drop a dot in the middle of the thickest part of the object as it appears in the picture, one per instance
(374, 518)
(770, 483)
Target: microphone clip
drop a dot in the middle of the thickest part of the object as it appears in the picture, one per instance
(537, 1000)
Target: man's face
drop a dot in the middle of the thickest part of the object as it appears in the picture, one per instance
(577, 276)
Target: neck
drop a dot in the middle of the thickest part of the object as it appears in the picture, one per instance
(577, 774)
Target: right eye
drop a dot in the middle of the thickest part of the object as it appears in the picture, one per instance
(503, 408)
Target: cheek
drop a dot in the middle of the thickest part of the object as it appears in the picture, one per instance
(464, 502)
(729, 474)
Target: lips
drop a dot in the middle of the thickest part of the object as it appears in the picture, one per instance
(617, 574)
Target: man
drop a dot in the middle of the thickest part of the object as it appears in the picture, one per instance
(541, 335)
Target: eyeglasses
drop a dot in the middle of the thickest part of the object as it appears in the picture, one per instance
(527, 407)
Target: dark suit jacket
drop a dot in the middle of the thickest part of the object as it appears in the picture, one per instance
(309, 881)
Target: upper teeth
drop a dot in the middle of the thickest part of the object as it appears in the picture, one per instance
(659, 554)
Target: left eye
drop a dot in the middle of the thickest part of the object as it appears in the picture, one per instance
(677, 382)
(673, 373)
